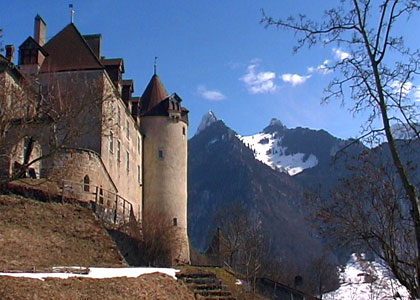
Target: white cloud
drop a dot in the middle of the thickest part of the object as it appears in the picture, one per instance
(340, 54)
(295, 79)
(259, 82)
(403, 88)
(212, 95)
(417, 94)
(321, 69)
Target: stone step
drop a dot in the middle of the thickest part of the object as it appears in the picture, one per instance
(202, 281)
(196, 275)
(201, 287)
(206, 286)
(217, 293)
(217, 298)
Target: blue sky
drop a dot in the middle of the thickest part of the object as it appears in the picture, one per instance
(214, 54)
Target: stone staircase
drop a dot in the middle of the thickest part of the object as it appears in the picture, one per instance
(206, 286)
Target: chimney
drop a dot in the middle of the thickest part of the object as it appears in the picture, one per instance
(10, 52)
(40, 30)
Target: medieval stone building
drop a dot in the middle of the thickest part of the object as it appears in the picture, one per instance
(74, 110)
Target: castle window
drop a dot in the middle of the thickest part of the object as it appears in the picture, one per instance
(160, 154)
(175, 221)
(128, 162)
(111, 142)
(127, 130)
(139, 174)
(86, 182)
(184, 131)
(118, 115)
(118, 151)
(29, 56)
(101, 196)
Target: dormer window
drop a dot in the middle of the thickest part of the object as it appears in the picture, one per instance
(28, 57)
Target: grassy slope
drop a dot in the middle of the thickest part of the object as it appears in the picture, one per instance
(41, 235)
(147, 287)
(37, 236)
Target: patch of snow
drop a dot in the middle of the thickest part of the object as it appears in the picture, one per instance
(404, 132)
(267, 148)
(212, 141)
(366, 280)
(208, 119)
(98, 273)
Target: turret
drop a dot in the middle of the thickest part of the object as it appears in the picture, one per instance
(164, 125)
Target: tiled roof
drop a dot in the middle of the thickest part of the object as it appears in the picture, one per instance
(154, 94)
(30, 43)
(67, 51)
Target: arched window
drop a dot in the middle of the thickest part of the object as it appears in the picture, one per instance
(86, 182)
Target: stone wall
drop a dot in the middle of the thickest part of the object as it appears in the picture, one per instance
(73, 165)
(121, 149)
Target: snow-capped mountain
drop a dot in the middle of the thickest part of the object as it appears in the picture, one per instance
(291, 150)
(268, 148)
(362, 279)
(222, 172)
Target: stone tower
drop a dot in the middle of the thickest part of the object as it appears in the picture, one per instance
(164, 125)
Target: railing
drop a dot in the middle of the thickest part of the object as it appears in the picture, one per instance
(107, 205)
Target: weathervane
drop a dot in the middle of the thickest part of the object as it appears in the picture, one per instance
(155, 65)
(72, 12)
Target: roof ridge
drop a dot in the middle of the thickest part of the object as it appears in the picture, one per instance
(86, 43)
(80, 36)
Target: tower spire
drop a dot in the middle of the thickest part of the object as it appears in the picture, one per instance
(155, 65)
(72, 12)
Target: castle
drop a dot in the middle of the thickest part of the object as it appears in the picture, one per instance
(66, 113)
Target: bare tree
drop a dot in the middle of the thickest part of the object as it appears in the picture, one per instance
(243, 245)
(42, 117)
(159, 239)
(377, 81)
(368, 211)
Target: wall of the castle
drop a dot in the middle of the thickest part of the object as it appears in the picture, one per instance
(87, 108)
(77, 97)
(165, 177)
(73, 165)
(13, 98)
(121, 150)
(16, 142)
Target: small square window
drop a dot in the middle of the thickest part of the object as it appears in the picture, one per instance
(160, 154)
(175, 221)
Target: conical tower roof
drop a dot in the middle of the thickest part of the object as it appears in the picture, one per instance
(154, 94)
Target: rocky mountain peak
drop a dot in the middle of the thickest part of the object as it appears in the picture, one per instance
(208, 119)
(275, 125)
